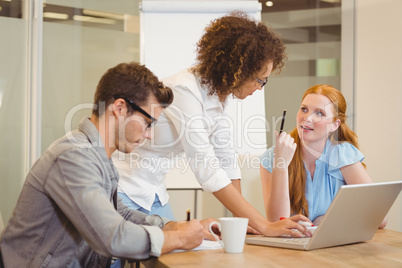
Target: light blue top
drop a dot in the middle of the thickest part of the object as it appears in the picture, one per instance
(321, 190)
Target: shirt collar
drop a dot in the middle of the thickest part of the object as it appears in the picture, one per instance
(92, 133)
(212, 101)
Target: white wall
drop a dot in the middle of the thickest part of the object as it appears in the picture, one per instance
(378, 92)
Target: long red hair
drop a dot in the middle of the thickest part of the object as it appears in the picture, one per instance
(297, 171)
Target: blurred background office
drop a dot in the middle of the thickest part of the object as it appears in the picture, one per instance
(53, 53)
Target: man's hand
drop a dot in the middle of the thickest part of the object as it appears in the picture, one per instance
(182, 235)
(205, 224)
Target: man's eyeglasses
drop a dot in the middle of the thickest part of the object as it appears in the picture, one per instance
(139, 109)
(263, 83)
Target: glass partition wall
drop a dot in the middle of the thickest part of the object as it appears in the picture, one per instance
(81, 40)
(47, 87)
(13, 102)
(311, 30)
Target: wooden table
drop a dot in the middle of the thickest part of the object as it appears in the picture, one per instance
(384, 251)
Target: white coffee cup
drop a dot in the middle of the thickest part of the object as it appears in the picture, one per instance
(233, 231)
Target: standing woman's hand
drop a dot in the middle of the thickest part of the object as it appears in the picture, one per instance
(285, 148)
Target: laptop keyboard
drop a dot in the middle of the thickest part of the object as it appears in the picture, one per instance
(301, 240)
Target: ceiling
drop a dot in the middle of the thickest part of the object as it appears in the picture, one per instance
(286, 5)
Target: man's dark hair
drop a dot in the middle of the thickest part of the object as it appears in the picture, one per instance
(132, 81)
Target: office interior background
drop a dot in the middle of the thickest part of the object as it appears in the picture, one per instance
(53, 53)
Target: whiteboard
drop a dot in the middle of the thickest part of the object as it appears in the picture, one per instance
(169, 31)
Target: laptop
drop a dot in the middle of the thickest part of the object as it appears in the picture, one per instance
(353, 216)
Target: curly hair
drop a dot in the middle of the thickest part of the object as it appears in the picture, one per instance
(233, 50)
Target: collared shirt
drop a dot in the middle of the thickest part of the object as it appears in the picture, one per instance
(68, 213)
(328, 179)
(193, 132)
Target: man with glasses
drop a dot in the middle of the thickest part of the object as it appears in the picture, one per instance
(139, 109)
(68, 213)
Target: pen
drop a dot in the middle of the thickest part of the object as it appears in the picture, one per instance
(188, 214)
(283, 121)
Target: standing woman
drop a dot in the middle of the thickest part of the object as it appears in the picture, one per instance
(235, 57)
(305, 169)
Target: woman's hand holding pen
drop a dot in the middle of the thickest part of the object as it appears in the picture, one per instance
(285, 148)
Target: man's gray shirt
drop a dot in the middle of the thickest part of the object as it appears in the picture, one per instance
(68, 213)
